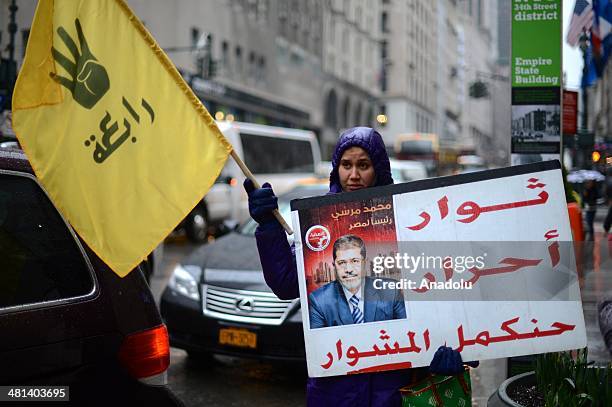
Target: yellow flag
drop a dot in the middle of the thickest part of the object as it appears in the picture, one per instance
(118, 139)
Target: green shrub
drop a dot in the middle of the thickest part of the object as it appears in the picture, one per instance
(567, 381)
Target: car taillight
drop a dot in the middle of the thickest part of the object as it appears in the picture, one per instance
(147, 353)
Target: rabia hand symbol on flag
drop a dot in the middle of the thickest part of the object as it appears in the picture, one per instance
(88, 80)
(125, 151)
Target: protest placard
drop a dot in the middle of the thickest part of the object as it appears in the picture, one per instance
(482, 262)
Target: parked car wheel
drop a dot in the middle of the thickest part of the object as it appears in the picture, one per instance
(196, 225)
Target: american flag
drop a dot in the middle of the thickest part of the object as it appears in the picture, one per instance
(582, 19)
(601, 33)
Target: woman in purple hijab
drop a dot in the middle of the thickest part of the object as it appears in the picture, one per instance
(360, 161)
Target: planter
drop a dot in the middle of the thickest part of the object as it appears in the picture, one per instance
(575, 217)
(522, 385)
(520, 390)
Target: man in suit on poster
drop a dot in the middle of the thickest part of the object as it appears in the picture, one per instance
(352, 297)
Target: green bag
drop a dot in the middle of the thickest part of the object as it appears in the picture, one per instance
(437, 390)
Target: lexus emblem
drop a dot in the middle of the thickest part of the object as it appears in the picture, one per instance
(245, 304)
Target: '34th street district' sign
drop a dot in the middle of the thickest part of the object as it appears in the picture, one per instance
(482, 262)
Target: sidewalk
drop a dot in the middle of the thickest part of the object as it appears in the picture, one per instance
(595, 280)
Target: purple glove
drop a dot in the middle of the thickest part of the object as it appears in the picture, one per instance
(447, 361)
(262, 202)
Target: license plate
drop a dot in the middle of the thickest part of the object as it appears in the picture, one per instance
(237, 337)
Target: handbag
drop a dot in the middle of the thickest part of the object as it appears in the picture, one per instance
(439, 390)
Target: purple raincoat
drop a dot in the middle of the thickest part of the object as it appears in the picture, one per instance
(280, 271)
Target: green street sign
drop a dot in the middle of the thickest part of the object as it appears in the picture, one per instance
(536, 43)
(536, 77)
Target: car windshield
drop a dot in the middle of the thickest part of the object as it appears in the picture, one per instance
(301, 191)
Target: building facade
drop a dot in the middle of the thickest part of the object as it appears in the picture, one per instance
(433, 53)
(410, 58)
(451, 74)
(479, 22)
(311, 64)
(351, 67)
(499, 154)
(326, 65)
(597, 134)
(600, 108)
(265, 61)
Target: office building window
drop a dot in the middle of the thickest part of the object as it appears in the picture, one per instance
(225, 64)
(239, 60)
(384, 22)
(262, 10)
(195, 35)
(252, 67)
(261, 68)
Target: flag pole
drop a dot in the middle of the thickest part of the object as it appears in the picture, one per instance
(249, 175)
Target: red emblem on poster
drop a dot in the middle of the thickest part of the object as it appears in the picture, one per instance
(317, 238)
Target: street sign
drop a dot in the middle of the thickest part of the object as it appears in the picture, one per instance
(536, 79)
(570, 112)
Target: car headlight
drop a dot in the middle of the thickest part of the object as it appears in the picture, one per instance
(184, 281)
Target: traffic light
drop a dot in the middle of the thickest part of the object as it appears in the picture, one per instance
(478, 90)
(595, 156)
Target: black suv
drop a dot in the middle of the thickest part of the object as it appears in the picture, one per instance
(66, 319)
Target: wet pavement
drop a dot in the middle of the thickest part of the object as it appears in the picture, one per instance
(237, 382)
